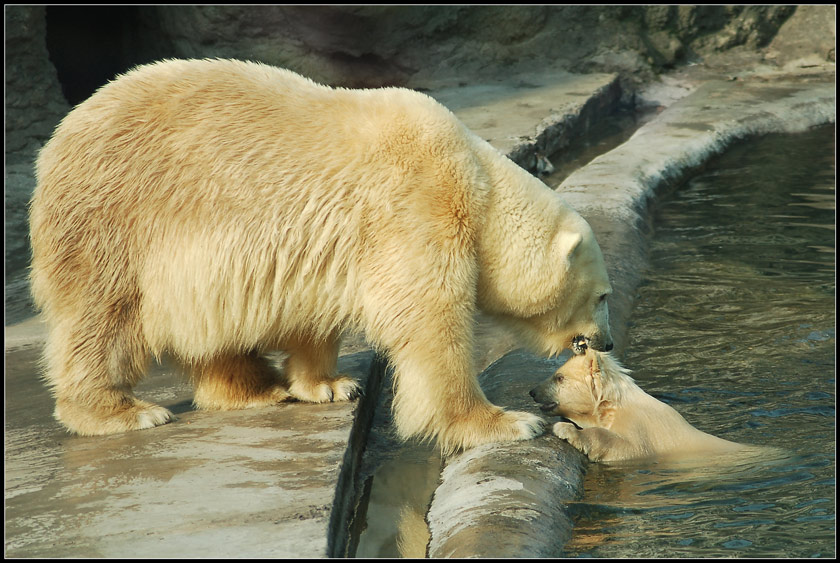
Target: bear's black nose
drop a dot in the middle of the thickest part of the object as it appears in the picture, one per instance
(608, 347)
(533, 393)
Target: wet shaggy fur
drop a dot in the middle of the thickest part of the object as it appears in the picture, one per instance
(215, 210)
(613, 419)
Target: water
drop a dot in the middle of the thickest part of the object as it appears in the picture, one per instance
(735, 327)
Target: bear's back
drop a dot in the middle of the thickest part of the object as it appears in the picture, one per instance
(222, 125)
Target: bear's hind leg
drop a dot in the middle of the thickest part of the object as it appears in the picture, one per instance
(310, 370)
(236, 382)
(91, 373)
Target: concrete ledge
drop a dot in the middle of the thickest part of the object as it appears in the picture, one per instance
(689, 133)
(493, 501)
(508, 500)
(531, 115)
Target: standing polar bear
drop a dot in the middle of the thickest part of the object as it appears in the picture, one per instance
(219, 209)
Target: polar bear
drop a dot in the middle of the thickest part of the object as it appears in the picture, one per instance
(614, 420)
(218, 209)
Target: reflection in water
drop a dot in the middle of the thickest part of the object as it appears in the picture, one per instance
(734, 327)
(396, 512)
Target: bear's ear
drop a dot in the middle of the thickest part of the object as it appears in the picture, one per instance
(567, 243)
(605, 413)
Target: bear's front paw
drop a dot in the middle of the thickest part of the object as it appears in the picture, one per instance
(526, 426)
(488, 425)
(566, 430)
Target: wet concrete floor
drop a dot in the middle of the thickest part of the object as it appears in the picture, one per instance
(250, 483)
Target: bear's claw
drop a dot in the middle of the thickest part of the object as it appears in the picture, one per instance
(528, 425)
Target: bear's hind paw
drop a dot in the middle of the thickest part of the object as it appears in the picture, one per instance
(342, 388)
(345, 388)
(130, 414)
(152, 416)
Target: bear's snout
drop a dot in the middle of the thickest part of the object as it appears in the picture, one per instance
(547, 402)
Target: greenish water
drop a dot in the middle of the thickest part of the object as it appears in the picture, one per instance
(734, 326)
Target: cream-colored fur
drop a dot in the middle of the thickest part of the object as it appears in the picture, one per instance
(217, 209)
(617, 420)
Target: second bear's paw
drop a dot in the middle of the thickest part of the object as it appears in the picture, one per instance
(565, 430)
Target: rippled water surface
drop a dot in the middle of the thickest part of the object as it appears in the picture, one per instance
(734, 327)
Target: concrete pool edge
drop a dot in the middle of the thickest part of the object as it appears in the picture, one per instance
(613, 193)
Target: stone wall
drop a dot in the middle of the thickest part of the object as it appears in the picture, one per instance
(368, 46)
(418, 45)
(34, 103)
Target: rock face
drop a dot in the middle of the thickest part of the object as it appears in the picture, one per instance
(34, 103)
(399, 45)
(34, 106)
(808, 36)
(369, 46)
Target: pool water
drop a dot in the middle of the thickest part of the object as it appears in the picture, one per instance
(734, 326)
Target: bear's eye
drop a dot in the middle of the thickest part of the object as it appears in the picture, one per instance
(602, 297)
(558, 378)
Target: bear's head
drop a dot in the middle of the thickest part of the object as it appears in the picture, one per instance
(544, 274)
(587, 389)
(580, 305)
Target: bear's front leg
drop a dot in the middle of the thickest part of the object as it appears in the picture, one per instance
(437, 395)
